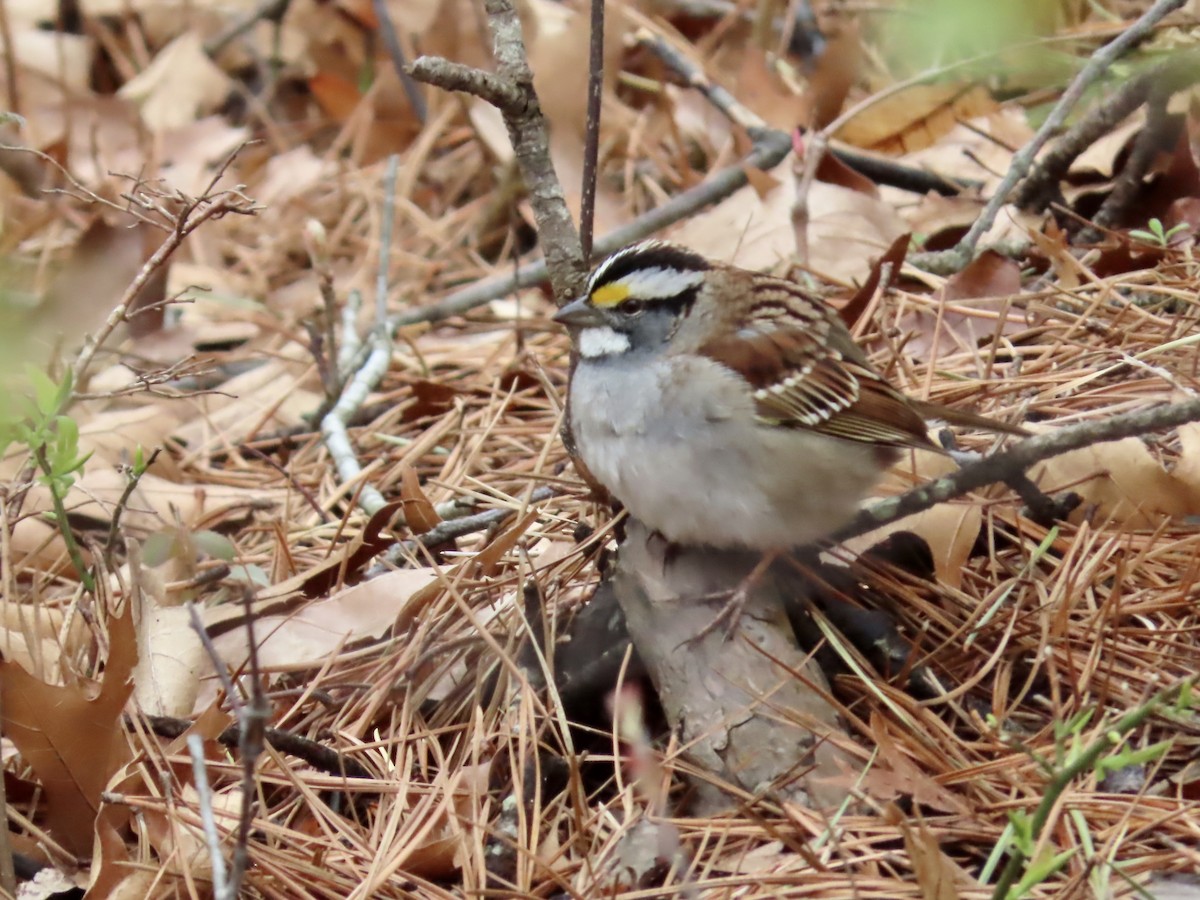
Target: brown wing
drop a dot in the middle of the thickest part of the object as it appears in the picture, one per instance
(806, 371)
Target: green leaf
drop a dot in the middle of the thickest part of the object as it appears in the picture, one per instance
(45, 391)
(1039, 871)
(1022, 831)
(1132, 757)
(215, 545)
(159, 547)
(64, 391)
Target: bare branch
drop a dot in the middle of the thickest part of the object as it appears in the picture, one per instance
(395, 51)
(591, 146)
(1099, 63)
(511, 91)
(452, 76)
(770, 147)
(1011, 463)
(333, 423)
(195, 212)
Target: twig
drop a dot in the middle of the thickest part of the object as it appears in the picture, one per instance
(696, 78)
(133, 477)
(291, 479)
(770, 147)
(962, 253)
(395, 51)
(591, 147)
(511, 91)
(320, 757)
(251, 716)
(1038, 190)
(1006, 465)
(895, 174)
(220, 874)
(351, 343)
(1129, 184)
(316, 244)
(271, 10)
(451, 529)
(195, 212)
(452, 76)
(333, 423)
(878, 169)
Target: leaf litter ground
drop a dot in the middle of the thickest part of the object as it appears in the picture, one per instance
(412, 677)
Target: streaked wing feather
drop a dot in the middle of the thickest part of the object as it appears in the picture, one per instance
(806, 372)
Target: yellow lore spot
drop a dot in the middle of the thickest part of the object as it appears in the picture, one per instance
(609, 295)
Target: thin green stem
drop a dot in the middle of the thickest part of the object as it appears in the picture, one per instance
(1085, 762)
(64, 527)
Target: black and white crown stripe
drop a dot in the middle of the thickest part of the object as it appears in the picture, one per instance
(655, 258)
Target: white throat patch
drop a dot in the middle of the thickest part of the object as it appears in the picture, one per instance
(601, 341)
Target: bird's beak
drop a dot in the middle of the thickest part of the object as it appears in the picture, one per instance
(580, 314)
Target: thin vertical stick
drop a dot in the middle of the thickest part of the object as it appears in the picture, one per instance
(591, 149)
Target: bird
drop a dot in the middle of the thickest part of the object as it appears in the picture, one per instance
(728, 408)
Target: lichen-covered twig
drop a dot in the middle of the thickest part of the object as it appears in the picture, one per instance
(511, 91)
(1013, 462)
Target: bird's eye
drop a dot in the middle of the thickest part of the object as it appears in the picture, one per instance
(632, 307)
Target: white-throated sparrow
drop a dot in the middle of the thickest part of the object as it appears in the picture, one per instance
(729, 408)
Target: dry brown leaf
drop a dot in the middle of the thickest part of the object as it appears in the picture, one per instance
(884, 272)
(1099, 160)
(192, 152)
(978, 304)
(302, 639)
(847, 230)
(90, 282)
(1124, 481)
(745, 230)
(171, 659)
(181, 844)
(32, 634)
(897, 775)
(988, 275)
(114, 435)
(836, 71)
(456, 30)
(266, 398)
(916, 118)
(561, 82)
(179, 86)
(38, 543)
(767, 95)
(291, 174)
(155, 502)
(977, 150)
(73, 742)
(935, 872)
(1052, 243)
(950, 529)
(419, 513)
(51, 57)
